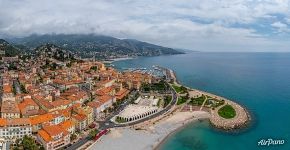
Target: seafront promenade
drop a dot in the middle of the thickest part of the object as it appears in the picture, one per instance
(152, 132)
(241, 118)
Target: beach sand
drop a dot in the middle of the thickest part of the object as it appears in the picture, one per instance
(131, 139)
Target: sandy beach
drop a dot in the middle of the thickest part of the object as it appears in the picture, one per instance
(150, 138)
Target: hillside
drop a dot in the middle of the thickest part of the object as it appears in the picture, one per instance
(102, 46)
(53, 51)
(10, 50)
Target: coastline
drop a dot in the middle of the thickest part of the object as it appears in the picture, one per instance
(159, 145)
(241, 120)
(118, 59)
(154, 135)
(151, 137)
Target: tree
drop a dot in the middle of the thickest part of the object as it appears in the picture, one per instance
(73, 137)
(93, 133)
(29, 143)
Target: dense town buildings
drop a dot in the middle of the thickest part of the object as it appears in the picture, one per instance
(52, 104)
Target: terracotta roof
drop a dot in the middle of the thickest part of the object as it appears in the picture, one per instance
(105, 98)
(44, 135)
(94, 104)
(60, 102)
(72, 98)
(3, 122)
(66, 124)
(18, 121)
(41, 119)
(122, 93)
(26, 102)
(104, 91)
(9, 107)
(79, 117)
(7, 89)
(77, 105)
(42, 102)
(54, 130)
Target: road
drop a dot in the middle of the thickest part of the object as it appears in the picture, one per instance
(79, 143)
(109, 124)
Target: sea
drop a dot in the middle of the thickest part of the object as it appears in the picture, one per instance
(258, 81)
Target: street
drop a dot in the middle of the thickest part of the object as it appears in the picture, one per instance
(107, 123)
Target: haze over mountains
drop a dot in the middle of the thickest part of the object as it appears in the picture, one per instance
(102, 47)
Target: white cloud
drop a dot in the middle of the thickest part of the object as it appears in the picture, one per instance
(166, 22)
(282, 27)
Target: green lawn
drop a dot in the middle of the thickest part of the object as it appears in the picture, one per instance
(227, 112)
(179, 89)
(160, 86)
(181, 100)
(167, 100)
(217, 103)
(197, 101)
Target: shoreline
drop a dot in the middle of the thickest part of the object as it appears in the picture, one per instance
(162, 142)
(118, 59)
(159, 131)
(241, 120)
(151, 137)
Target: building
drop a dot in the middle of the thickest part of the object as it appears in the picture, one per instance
(9, 109)
(7, 93)
(68, 126)
(53, 137)
(80, 121)
(136, 112)
(122, 94)
(87, 111)
(28, 107)
(12, 129)
(96, 106)
(37, 122)
(106, 101)
(61, 104)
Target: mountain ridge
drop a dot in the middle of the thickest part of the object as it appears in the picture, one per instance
(100, 45)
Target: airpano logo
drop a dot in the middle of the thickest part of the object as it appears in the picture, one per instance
(270, 142)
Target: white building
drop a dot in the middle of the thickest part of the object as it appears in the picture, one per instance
(136, 112)
(12, 129)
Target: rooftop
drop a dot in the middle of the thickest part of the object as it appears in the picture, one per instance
(134, 110)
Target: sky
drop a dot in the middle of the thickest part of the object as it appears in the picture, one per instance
(202, 25)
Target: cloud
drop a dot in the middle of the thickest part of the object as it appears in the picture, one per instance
(207, 25)
(282, 27)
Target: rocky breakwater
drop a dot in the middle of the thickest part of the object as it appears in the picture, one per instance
(241, 118)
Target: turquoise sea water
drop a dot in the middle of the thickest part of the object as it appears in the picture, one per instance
(259, 81)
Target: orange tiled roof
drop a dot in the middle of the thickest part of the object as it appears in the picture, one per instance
(60, 102)
(44, 135)
(79, 117)
(7, 89)
(9, 107)
(105, 98)
(66, 124)
(3, 122)
(54, 130)
(18, 121)
(94, 104)
(26, 102)
(72, 98)
(77, 105)
(122, 93)
(41, 119)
